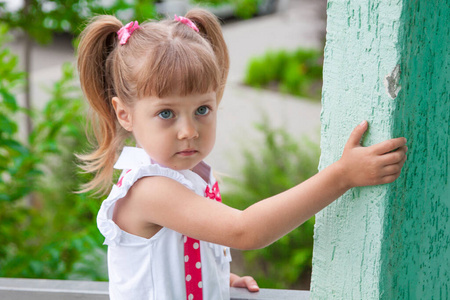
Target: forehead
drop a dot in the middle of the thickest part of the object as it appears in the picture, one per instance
(198, 99)
(177, 67)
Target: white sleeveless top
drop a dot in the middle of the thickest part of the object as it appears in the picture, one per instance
(153, 269)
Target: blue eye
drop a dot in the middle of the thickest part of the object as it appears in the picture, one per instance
(166, 114)
(202, 110)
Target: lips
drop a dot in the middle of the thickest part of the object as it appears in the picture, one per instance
(187, 152)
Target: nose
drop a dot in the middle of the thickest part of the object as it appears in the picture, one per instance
(187, 130)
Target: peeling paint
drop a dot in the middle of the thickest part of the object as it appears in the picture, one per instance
(387, 241)
(391, 82)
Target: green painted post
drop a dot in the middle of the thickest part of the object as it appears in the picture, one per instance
(387, 61)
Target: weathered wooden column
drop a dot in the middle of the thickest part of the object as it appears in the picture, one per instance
(387, 61)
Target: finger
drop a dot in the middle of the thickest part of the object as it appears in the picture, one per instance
(389, 145)
(392, 172)
(392, 169)
(390, 178)
(394, 157)
(240, 283)
(357, 133)
(247, 282)
(251, 284)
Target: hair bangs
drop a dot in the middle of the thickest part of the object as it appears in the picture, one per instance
(178, 68)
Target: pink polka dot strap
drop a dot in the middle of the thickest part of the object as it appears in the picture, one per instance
(192, 258)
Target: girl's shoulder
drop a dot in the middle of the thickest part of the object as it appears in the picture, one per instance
(136, 164)
(136, 195)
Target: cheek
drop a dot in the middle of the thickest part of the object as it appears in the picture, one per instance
(145, 133)
(211, 133)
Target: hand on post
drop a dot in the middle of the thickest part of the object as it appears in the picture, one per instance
(378, 164)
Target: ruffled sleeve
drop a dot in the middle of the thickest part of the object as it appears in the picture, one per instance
(112, 233)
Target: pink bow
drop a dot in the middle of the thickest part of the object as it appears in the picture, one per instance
(125, 32)
(187, 22)
(214, 193)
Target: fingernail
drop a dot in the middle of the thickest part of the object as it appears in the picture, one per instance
(363, 123)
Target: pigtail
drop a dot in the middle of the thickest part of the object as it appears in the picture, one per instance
(97, 46)
(210, 29)
(161, 58)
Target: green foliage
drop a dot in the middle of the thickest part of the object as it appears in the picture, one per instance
(243, 9)
(298, 73)
(278, 166)
(41, 19)
(17, 165)
(46, 230)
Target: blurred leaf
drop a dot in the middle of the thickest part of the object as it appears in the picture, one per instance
(8, 99)
(7, 126)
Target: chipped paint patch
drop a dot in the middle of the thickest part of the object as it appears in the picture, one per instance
(391, 82)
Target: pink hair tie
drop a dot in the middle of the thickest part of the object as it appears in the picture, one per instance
(125, 32)
(187, 22)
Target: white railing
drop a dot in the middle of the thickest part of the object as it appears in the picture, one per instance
(45, 289)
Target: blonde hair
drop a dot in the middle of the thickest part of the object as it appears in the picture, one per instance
(161, 58)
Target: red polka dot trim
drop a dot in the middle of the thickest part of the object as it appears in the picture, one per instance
(193, 268)
(192, 257)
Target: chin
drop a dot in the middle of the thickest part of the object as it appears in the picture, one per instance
(184, 166)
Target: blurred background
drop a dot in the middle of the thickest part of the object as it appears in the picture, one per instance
(267, 139)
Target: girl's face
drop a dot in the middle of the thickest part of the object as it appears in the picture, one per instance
(177, 132)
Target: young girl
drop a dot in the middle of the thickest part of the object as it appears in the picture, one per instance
(165, 226)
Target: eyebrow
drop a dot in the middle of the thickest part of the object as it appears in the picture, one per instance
(165, 103)
(207, 99)
(158, 102)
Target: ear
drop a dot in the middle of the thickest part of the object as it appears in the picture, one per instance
(123, 114)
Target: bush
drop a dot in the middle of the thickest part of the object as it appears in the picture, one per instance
(298, 73)
(42, 19)
(46, 230)
(17, 165)
(278, 166)
(243, 9)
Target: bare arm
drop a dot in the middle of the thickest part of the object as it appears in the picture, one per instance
(358, 166)
(162, 201)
